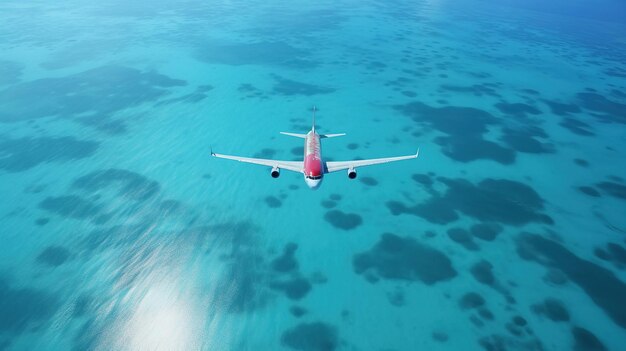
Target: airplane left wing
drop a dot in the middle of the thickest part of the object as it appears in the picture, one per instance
(296, 166)
(342, 165)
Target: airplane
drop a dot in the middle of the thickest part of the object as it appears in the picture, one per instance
(313, 166)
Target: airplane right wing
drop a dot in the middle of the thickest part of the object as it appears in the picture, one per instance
(296, 166)
(342, 165)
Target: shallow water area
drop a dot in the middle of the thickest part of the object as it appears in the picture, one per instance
(120, 232)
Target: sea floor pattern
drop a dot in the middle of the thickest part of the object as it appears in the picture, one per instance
(120, 232)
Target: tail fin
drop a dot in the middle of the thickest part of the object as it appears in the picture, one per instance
(314, 109)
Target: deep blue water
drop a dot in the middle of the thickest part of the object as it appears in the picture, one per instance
(120, 232)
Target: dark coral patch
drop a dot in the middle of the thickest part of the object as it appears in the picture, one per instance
(404, 258)
(396, 298)
(53, 256)
(613, 253)
(614, 189)
(531, 91)
(284, 86)
(601, 254)
(71, 206)
(602, 286)
(435, 210)
(439, 336)
(486, 231)
(297, 311)
(514, 330)
(42, 221)
(577, 127)
(450, 119)
(129, 184)
(476, 89)
(328, 204)
(485, 314)
(587, 190)
(517, 109)
(198, 95)
(90, 97)
(375, 66)
(242, 288)
(584, 340)
(555, 276)
(22, 308)
(297, 151)
(613, 112)
(519, 321)
(471, 300)
(35, 188)
(618, 93)
(562, 109)
(250, 91)
(472, 149)
(287, 261)
(553, 309)
(482, 272)
(316, 336)
(335, 197)
(25, 153)
(342, 220)
(83, 305)
(464, 127)
(617, 252)
(581, 162)
(615, 72)
(517, 341)
(497, 200)
(295, 288)
(524, 140)
(423, 179)
(369, 181)
(477, 321)
(491, 200)
(273, 202)
(265, 153)
(463, 238)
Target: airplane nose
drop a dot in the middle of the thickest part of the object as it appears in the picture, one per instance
(313, 183)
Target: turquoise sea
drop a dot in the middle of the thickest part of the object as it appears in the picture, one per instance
(118, 231)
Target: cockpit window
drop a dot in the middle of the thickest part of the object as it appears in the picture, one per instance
(314, 177)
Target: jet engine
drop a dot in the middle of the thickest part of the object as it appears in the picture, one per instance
(275, 172)
(351, 173)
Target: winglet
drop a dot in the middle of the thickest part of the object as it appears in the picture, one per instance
(417, 153)
(212, 153)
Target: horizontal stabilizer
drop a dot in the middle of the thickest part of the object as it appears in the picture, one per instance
(303, 136)
(331, 135)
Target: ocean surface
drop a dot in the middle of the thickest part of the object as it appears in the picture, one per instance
(118, 231)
